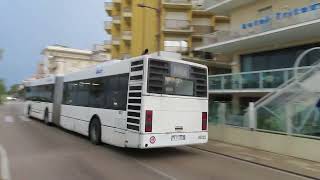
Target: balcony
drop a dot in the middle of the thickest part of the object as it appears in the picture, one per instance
(116, 20)
(177, 49)
(116, 41)
(177, 4)
(256, 82)
(107, 44)
(126, 35)
(117, 2)
(108, 26)
(224, 7)
(125, 56)
(127, 13)
(200, 30)
(108, 6)
(177, 26)
(270, 31)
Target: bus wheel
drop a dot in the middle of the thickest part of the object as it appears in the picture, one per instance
(46, 117)
(95, 131)
(29, 111)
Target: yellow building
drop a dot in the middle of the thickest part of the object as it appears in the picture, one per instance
(182, 25)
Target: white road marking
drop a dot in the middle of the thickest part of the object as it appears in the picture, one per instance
(157, 171)
(8, 119)
(5, 172)
(23, 118)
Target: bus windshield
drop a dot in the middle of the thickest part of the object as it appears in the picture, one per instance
(173, 78)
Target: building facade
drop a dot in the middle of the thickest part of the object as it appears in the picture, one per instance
(261, 45)
(59, 60)
(134, 29)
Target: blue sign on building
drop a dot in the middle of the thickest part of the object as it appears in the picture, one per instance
(281, 15)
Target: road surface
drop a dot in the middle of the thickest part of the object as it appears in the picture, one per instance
(33, 151)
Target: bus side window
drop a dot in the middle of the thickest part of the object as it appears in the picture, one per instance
(97, 96)
(112, 92)
(82, 94)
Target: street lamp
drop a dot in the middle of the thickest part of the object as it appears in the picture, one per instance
(159, 12)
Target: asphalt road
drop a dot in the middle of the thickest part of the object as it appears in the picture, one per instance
(33, 151)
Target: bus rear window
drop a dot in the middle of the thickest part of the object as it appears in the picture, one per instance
(176, 79)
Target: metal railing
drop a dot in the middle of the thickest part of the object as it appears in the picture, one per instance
(116, 19)
(178, 49)
(202, 29)
(268, 24)
(210, 3)
(126, 35)
(107, 24)
(177, 1)
(107, 42)
(267, 79)
(116, 40)
(176, 24)
(108, 5)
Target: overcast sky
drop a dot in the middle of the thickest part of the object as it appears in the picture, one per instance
(28, 26)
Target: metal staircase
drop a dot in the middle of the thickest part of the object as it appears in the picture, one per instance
(292, 108)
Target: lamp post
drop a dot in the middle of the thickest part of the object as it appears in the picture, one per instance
(159, 12)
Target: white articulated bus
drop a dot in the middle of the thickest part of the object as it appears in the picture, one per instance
(143, 102)
(39, 96)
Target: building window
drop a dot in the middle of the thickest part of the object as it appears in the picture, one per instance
(277, 59)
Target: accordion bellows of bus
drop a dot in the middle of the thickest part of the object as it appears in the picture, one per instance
(149, 101)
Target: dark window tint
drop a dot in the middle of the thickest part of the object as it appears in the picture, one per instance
(83, 93)
(70, 93)
(43, 93)
(97, 96)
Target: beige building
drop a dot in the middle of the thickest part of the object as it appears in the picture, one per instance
(63, 60)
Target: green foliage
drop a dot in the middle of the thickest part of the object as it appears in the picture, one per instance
(2, 90)
(14, 89)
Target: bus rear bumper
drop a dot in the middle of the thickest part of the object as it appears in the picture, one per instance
(172, 139)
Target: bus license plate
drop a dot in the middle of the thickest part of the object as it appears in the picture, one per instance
(178, 137)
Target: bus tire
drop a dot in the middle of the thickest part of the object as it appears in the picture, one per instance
(29, 111)
(46, 117)
(95, 131)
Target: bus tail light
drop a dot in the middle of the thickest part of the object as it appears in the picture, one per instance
(148, 126)
(204, 121)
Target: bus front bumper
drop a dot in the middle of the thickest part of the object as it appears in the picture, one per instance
(172, 139)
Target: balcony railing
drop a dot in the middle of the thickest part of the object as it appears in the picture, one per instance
(265, 24)
(116, 19)
(177, 1)
(202, 29)
(126, 35)
(176, 25)
(108, 5)
(177, 49)
(267, 79)
(115, 40)
(107, 25)
(213, 2)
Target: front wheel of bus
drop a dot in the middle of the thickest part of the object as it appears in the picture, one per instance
(29, 111)
(95, 131)
(46, 117)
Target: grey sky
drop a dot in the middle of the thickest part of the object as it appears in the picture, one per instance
(29, 26)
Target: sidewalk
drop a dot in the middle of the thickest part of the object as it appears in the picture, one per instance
(286, 163)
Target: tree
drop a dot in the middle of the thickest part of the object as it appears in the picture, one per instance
(14, 89)
(2, 90)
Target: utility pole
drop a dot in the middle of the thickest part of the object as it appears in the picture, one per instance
(159, 13)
